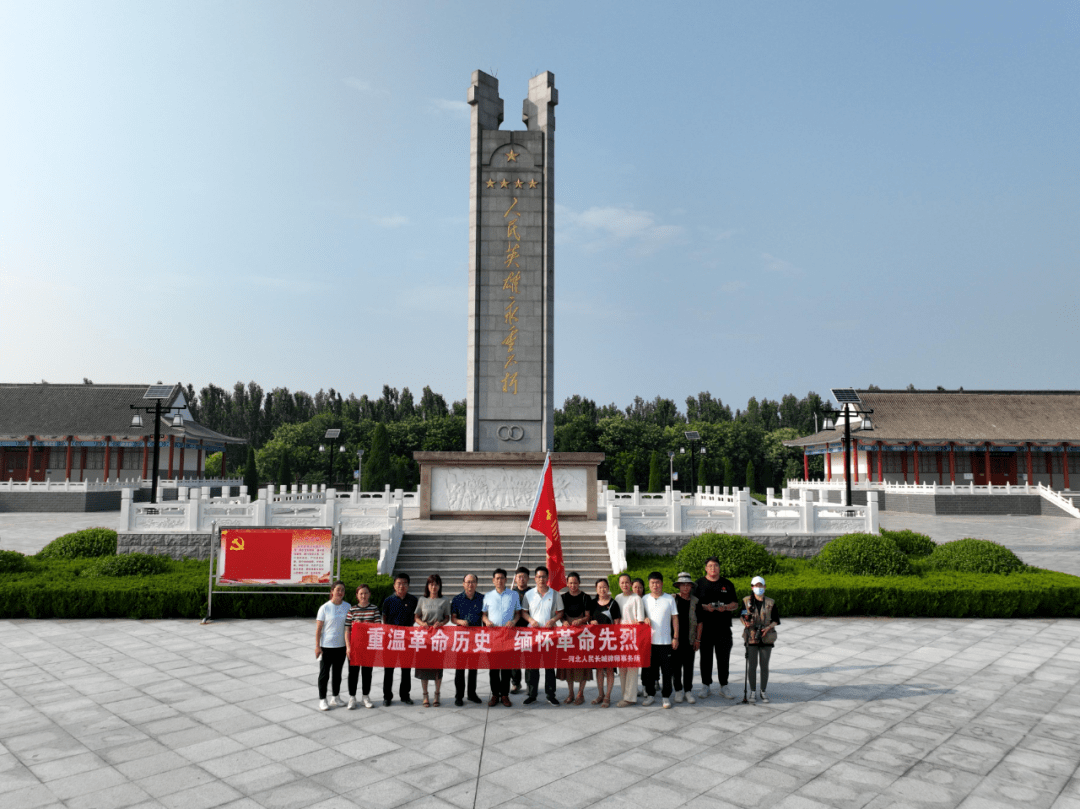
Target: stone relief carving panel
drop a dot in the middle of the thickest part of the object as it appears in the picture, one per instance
(827, 526)
(643, 525)
(501, 489)
(764, 525)
(700, 525)
(160, 523)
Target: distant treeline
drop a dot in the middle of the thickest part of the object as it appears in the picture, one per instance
(285, 429)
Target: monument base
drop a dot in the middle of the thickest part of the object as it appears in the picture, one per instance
(502, 485)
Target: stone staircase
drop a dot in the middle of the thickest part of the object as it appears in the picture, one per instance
(454, 555)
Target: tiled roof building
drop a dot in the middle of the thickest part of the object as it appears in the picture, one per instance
(84, 432)
(994, 437)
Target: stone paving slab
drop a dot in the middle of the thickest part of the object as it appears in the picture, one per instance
(864, 713)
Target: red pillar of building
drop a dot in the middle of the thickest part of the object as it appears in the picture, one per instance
(1065, 465)
(200, 472)
(181, 470)
(145, 454)
(880, 473)
(854, 461)
(915, 460)
(952, 462)
(67, 461)
(82, 465)
(1049, 465)
(828, 463)
(805, 464)
(1030, 467)
(987, 462)
(903, 462)
(172, 446)
(940, 466)
(29, 456)
(108, 457)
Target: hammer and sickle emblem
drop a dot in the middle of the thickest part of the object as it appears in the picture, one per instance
(510, 432)
(549, 515)
(237, 544)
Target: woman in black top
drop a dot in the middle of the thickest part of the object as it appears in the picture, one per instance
(575, 613)
(604, 610)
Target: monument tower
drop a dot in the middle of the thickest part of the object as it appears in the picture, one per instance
(510, 395)
(510, 398)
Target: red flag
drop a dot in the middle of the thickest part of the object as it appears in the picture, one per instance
(545, 519)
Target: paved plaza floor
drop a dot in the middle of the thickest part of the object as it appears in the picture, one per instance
(864, 713)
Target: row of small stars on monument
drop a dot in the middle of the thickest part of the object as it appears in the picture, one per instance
(513, 184)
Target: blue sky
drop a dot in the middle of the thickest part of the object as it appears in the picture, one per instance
(752, 199)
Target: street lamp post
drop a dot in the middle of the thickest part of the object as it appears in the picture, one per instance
(671, 469)
(359, 470)
(850, 403)
(331, 435)
(158, 393)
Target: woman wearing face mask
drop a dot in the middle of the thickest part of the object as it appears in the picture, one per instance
(760, 618)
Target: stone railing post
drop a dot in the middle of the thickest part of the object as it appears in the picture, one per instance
(806, 514)
(262, 512)
(742, 512)
(872, 512)
(125, 509)
(675, 516)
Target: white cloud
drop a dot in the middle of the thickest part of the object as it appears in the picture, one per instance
(365, 87)
(604, 228)
(779, 265)
(453, 107)
(396, 221)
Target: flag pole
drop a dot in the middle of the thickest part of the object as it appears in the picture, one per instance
(536, 502)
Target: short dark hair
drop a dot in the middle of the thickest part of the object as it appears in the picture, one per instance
(637, 580)
(497, 571)
(336, 585)
(467, 576)
(362, 586)
(573, 574)
(627, 576)
(404, 576)
(522, 569)
(541, 567)
(712, 559)
(656, 574)
(605, 581)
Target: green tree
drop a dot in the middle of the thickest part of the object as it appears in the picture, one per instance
(655, 475)
(284, 470)
(251, 475)
(702, 472)
(377, 470)
(630, 479)
(213, 465)
(750, 484)
(729, 474)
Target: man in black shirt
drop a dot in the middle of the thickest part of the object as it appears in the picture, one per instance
(716, 604)
(398, 609)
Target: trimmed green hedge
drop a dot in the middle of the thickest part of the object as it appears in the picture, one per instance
(12, 562)
(863, 555)
(57, 589)
(911, 544)
(802, 590)
(738, 556)
(974, 556)
(88, 542)
(128, 564)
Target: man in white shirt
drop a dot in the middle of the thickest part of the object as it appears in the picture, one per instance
(541, 607)
(633, 612)
(663, 615)
(501, 608)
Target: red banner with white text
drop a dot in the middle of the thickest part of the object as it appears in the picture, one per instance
(503, 647)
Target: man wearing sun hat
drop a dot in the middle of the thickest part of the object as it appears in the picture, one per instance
(682, 658)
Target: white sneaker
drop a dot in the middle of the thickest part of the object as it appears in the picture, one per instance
(352, 704)
(367, 702)
(667, 702)
(763, 697)
(750, 698)
(678, 696)
(323, 705)
(690, 697)
(703, 692)
(725, 693)
(335, 702)
(645, 703)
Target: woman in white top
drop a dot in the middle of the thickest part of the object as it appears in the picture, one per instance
(330, 644)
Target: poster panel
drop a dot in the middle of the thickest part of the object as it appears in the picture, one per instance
(275, 556)
(474, 647)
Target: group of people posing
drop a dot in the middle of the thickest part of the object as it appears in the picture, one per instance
(697, 617)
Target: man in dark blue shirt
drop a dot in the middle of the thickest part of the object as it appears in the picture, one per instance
(398, 609)
(466, 609)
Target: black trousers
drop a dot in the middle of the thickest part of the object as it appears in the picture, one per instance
(459, 683)
(659, 666)
(515, 677)
(355, 673)
(500, 682)
(532, 679)
(682, 667)
(715, 640)
(388, 683)
(333, 658)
